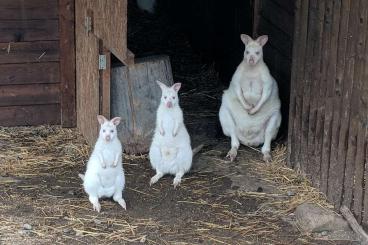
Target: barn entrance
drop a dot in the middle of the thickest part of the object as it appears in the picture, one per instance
(202, 39)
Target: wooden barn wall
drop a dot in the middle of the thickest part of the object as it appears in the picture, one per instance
(33, 88)
(275, 18)
(328, 124)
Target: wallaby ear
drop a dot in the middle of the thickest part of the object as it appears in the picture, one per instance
(116, 120)
(262, 40)
(245, 39)
(176, 86)
(101, 119)
(161, 84)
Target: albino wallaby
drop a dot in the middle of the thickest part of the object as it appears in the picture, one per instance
(250, 108)
(104, 176)
(170, 151)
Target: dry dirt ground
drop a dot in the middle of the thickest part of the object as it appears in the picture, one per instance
(245, 202)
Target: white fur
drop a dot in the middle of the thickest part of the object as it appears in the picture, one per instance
(147, 5)
(104, 176)
(170, 151)
(250, 108)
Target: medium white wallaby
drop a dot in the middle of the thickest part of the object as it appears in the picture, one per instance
(250, 108)
(104, 176)
(147, 5)
(170, 151)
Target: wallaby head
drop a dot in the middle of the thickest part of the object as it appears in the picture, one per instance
(108, 128)
(253, 48)
(169, 96)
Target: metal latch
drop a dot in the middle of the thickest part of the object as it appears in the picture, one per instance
(102, 62)
(88, 23)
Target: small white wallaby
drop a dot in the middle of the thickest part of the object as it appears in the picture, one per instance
(104, 176)
(250, 108)
(170, 151)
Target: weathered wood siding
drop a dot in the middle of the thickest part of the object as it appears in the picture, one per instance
(36, 63)
(275, 18)
(328, 123)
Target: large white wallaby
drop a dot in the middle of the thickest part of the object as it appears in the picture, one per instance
(104, 176)
(250, 108)
(170, 151)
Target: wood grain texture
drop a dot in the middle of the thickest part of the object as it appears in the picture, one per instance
(31, 94)
(110, 25)
(29, 73)
(67, 63)
(135, 97)
(29, 115)
(23, 52)
(28, 30)
(87, 75)
(28, 9)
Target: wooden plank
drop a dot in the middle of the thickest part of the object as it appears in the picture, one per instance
(287, 5)
(336, 168)
(300, 84)
(324, 114)
(273, 13)
(356, 131)
(23, 52)
(313, 162)
(30, 94)
(28, 9)
(31, 115)
(67, 63)
(29, 73)
(87, 75)
(345, 77)
(307, 82)
(28, 30)
(337, 68)
(291, 159)
(110, 25)
(105, 78)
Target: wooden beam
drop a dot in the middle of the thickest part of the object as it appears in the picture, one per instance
(67, 63)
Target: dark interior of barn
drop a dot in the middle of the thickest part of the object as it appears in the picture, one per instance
(202, 39)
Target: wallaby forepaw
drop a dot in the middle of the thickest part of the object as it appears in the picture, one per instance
(153, 180)
(252, 111)
(162, 132)
(267, 157)
(232, 155)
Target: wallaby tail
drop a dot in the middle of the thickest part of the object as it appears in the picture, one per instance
(197, 149)
(81, 176)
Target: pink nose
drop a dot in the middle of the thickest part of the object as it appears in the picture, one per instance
(169, 104)
(108, 138)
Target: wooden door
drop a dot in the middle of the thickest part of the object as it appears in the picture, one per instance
(101, 28)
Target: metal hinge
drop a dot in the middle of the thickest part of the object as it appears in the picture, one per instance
(88, 24)
(102, 62)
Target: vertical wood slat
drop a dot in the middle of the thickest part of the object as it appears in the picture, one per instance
(297, 79)
(356, 134)
(293, 84)
(313, 163)
(67, 63)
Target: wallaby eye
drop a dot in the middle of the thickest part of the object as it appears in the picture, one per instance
(257, 53)
(173, 97)
(112, 131)
(104, 130)
(247, 52)
(165, 97)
